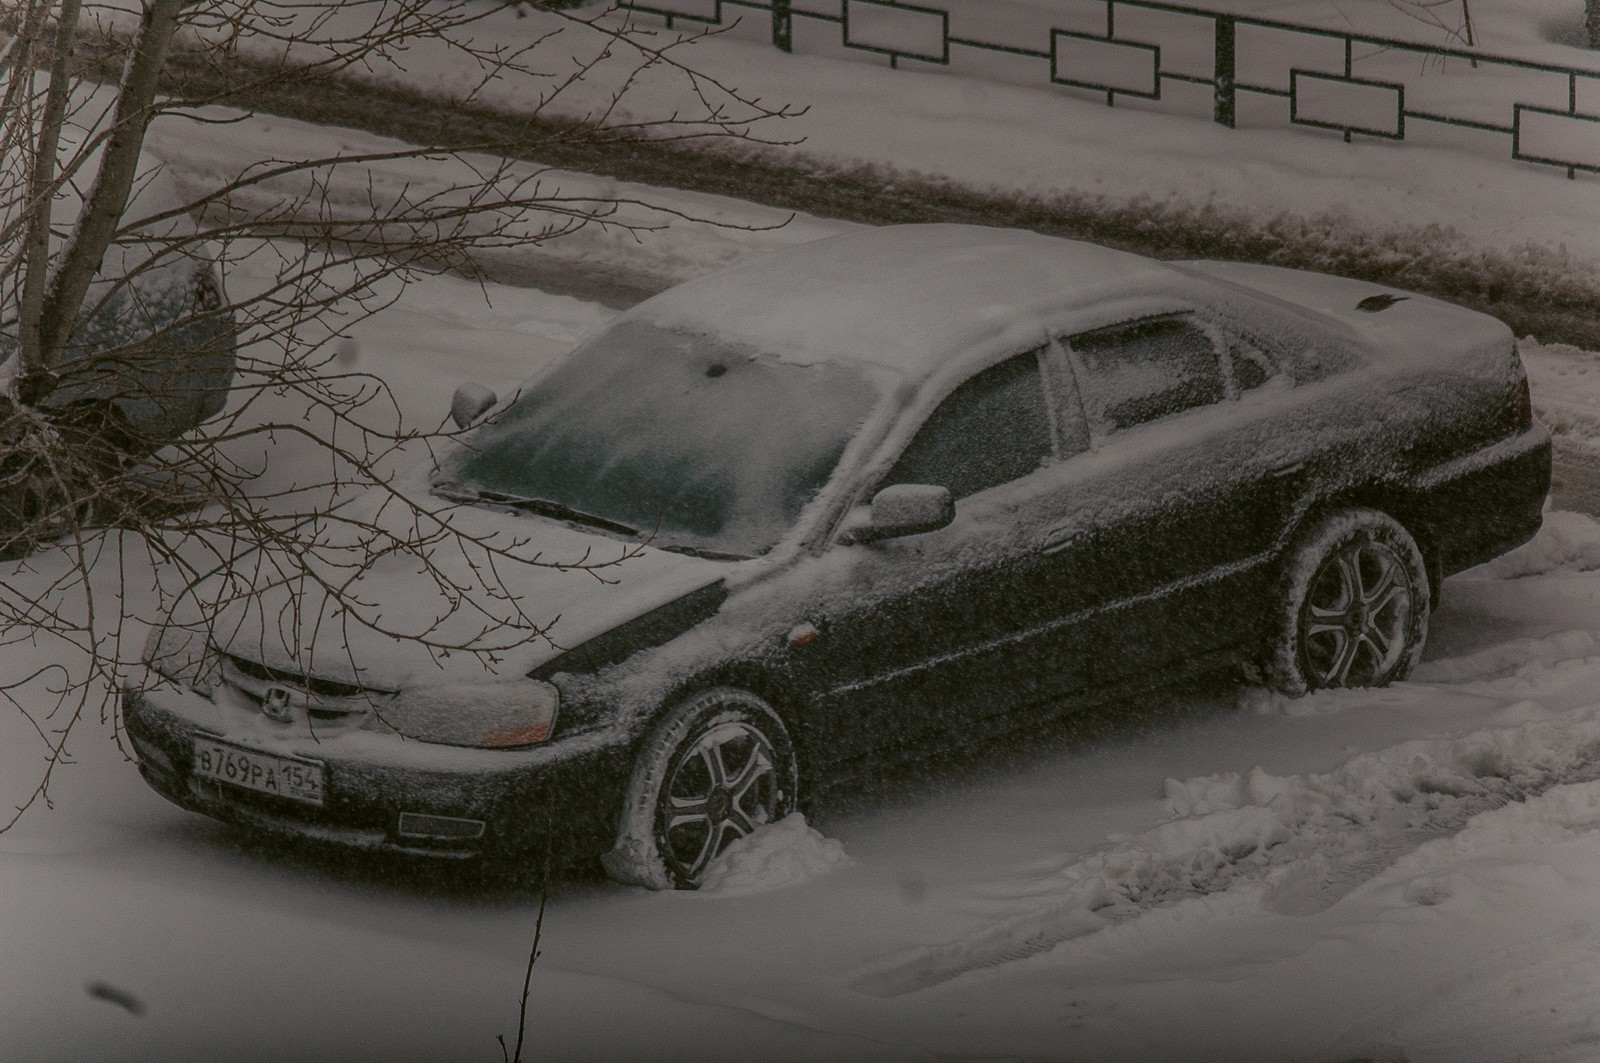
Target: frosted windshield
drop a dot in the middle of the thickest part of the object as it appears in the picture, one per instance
(693, 444)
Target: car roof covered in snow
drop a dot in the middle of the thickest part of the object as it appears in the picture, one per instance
(906, 297)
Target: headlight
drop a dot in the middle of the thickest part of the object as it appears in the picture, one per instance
(500, 715)
(184, 656)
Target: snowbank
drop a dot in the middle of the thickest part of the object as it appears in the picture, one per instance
(1320, 836)
(785, 853)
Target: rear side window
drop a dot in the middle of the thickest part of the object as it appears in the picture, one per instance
(1146, 370)
(993, 429)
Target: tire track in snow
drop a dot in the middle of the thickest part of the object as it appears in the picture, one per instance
(1511, 659)
(1314, 838)
(1461, 1011)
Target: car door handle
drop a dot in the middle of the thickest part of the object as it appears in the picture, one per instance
(1058, 539)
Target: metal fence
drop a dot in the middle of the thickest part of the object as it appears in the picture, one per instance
(1119, 64)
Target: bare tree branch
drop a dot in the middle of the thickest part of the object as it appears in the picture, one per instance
(130, 492)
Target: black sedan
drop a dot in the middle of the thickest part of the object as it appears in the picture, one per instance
(888, 491)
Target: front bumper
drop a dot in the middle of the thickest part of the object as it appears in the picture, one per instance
(562, 797)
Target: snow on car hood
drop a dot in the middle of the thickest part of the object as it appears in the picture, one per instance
(571, 583)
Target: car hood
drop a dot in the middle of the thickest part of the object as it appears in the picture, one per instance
(396, 619)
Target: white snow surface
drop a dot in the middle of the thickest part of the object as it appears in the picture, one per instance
(1220, 874)
(907, 297)
(786, 853)
(997, 122)
(1405, 873)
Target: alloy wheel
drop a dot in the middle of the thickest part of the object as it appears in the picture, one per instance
(1356, 616)
(721, 786)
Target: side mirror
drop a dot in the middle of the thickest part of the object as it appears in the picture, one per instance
(470, 402)
(905, 509)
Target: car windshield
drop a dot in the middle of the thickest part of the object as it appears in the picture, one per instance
(698, 446)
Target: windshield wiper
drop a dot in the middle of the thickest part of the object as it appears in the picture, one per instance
(542, 506)
(698, 551)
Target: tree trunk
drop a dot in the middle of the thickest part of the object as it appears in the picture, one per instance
(30, 326)
(108, 196)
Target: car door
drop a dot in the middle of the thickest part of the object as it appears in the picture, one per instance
(1191, 494)
(934, 635)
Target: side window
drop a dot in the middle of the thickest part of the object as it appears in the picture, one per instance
(1146, 370)
(990, 430)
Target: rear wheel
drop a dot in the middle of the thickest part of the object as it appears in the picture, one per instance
(1355, 605)
(715, 768)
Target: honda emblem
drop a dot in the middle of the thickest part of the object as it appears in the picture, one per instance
(275, 705)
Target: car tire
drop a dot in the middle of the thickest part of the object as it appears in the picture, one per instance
(1354, 605)
(105, 433)
(38, 504)
(714, 768)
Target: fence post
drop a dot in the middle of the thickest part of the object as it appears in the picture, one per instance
(1223, 71)
(782, 26)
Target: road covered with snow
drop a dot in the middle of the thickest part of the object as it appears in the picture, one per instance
(1208, 873)
(1205, 874)
(996, 123)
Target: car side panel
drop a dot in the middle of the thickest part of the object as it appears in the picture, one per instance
(1195, 507)
(939, 633)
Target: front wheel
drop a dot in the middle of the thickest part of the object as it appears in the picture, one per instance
(714, 768)
(1354, 611)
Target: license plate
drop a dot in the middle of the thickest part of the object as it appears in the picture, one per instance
(292, 777)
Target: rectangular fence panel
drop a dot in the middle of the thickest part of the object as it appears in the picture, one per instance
(1376, 108)
(1557, 138)
(897, 30)
(1089, 63)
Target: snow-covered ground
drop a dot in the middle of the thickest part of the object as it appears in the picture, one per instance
(1406, 873)
(1210, 874)
(998, 123)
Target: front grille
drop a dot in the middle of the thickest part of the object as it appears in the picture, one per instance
(292, 697)
(323, 688)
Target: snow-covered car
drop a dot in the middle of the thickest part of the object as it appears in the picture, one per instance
(155, 344)
(153, 353)
(886, 492)
(154, 359)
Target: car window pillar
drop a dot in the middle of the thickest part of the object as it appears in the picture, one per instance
(1070, 421)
